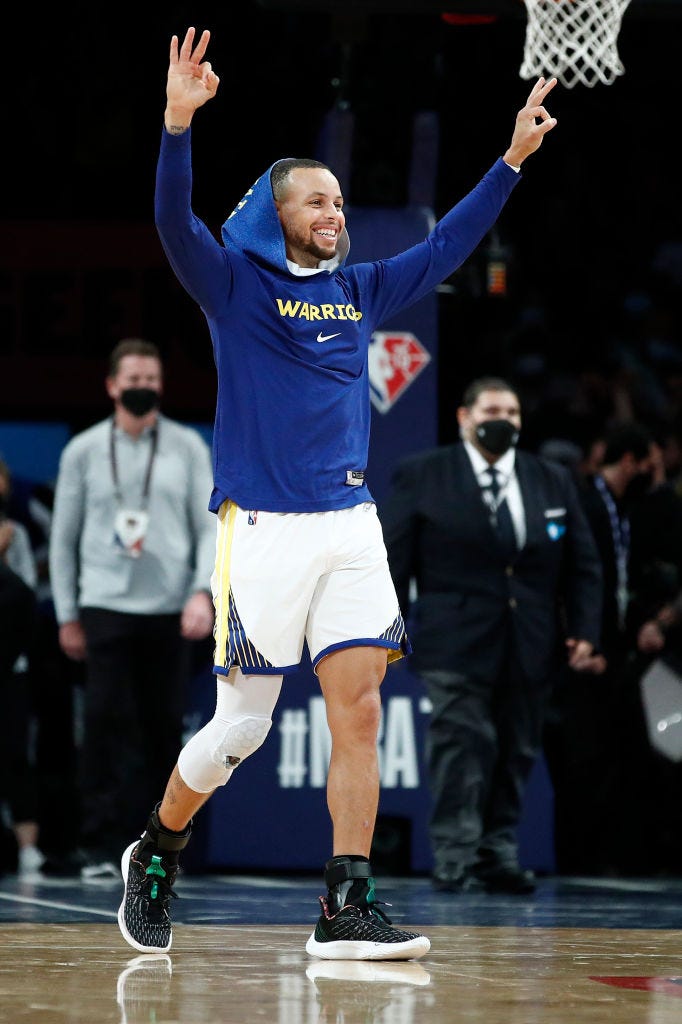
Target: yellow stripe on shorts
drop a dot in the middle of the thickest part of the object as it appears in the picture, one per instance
(227, 516)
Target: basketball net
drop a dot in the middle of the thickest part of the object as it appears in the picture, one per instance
(573, 40)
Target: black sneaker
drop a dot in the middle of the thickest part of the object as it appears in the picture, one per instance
(363, 933)
(143, 915)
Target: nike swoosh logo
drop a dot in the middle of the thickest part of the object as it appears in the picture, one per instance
(326, 337)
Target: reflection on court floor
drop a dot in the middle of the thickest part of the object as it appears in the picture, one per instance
(578, 950)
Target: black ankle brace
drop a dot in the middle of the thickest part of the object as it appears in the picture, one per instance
(348, 880)
(157, 835)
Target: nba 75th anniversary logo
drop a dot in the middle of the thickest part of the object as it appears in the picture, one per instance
(396, 358)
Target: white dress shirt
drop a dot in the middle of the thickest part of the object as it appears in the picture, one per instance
(509, 485)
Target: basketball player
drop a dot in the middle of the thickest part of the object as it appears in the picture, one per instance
(300, 552)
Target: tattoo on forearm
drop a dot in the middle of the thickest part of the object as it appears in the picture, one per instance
(177, 129)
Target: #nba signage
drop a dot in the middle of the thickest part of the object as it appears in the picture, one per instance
(396, 358)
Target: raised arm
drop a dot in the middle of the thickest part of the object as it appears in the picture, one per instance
(191, 81)
(528, 133)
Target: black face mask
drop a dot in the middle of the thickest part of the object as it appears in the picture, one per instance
(140, 401)
(497, 436)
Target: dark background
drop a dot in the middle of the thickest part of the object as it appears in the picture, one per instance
(81, 267)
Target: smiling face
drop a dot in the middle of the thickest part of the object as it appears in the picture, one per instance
(311, 215)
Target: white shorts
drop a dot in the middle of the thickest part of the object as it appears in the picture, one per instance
(282, 578)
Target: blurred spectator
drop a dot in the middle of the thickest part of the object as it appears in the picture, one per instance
(566, 453)
(15, 545)
(670, 440)
(595, 739)
(659, 818)
(56, 685)
(132, 550)
(18, 578)
(656, 521)
(663, 630)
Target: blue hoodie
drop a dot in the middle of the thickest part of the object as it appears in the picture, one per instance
(293, 409)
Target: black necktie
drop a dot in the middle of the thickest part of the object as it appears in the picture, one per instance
(501, 516)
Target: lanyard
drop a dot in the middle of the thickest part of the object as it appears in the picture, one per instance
(620, 530)
(148, 474)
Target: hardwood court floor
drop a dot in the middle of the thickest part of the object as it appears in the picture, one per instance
(578, 950)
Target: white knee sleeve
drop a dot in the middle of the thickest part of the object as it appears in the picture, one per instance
(242, 720)
(210, 757)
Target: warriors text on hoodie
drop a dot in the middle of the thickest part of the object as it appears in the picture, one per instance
(293, 408)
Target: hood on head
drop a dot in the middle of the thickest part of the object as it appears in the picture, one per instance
(253, 228)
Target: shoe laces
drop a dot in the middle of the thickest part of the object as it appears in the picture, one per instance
(374, 909)
(371, 906)
(156, 888)
(367, 907)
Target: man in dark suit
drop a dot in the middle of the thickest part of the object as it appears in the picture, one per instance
(506, 575)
